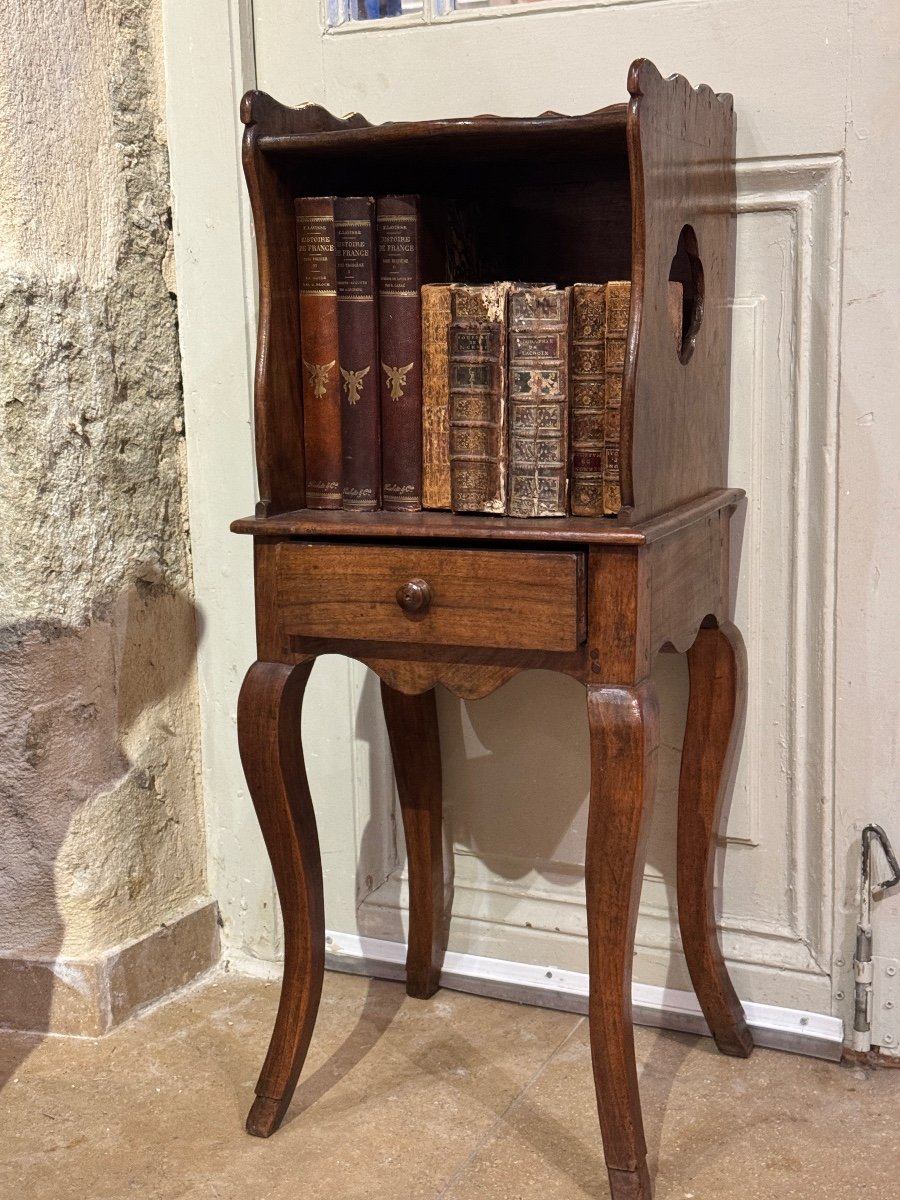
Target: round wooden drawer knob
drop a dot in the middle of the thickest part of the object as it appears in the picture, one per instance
(414, 597)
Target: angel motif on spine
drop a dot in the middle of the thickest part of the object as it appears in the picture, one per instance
(318, 376)
(396, 378)
(353, 383)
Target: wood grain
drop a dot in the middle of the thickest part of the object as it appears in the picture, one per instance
(624, 733)
(674, 436)
(268, 721)
(717, 666)
(416, 750)
(443, 526)
(520, 600)
(278, 405)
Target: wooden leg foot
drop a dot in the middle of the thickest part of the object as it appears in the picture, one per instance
(266, 1115)
(631, 1185)
(716, 663)
(624, 731)
(272, 756)
(415, 747)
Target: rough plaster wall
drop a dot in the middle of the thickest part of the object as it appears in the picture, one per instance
(100, 824)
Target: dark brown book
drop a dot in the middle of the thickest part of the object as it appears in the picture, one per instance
(587, 366)
(400, 353)
(354, 227)
(319, 351)
(538, 401)
(477, 357)
(618, 303)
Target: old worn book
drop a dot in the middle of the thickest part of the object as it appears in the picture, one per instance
(538, 400)
(477, 358)
(319, 350)
(354, 227)
(435, 396)
(400, 353)
(676, 311)
(442, 303)
(587, 366)
(618, 303)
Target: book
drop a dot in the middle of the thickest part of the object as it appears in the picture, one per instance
(435, 396)
(319, 350)
(538, 400)
(354, 228)
(676, 311)
(587, 362)
(400, 351)
(477, 357)
(618, 304)
(441, 304)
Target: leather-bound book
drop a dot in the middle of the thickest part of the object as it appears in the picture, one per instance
(435, 396)
(400, 354)
(477, 356)
(676, 310)
(354, 227)
(587, 365)
(538, 401)
(618, 303)
(319, 350)
(442, 304)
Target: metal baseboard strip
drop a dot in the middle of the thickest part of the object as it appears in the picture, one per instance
(788, 1029)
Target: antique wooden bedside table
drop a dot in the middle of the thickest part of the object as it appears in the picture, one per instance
(468, 601)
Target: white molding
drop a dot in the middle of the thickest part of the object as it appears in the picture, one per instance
(810, 191)
(547, 987)
(755, 943)
(751, 309)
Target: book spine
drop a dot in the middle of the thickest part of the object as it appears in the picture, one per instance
(319, 351)
(477, 354)
(618, 303)
(400, 332)
(538, 401)
(354, 228)
(436, 302)
(587, 360)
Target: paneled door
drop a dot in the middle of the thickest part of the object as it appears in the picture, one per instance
(516, 762)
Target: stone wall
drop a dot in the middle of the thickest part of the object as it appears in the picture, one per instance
(101, 834)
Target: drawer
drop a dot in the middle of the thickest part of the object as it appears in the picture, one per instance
(509, 599)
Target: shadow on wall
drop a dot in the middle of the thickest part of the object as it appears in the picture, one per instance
(516, 770)
(70, 699)
(516, 779)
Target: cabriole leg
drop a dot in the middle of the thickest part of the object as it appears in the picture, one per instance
(716, 663)
(415, 747)
(624, 733)
(269, 739)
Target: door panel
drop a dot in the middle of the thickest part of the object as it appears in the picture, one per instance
(519, 860)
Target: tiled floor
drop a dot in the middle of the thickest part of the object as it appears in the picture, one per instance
(458, 1097)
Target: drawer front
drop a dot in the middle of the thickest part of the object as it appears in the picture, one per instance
(520, 600)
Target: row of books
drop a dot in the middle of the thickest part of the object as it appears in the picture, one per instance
(500, 398)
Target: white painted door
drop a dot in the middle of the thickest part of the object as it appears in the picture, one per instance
(813, 161)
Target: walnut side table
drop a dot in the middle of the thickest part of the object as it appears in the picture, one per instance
(468, 601)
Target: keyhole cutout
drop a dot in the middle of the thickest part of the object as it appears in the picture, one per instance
(687, 269)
